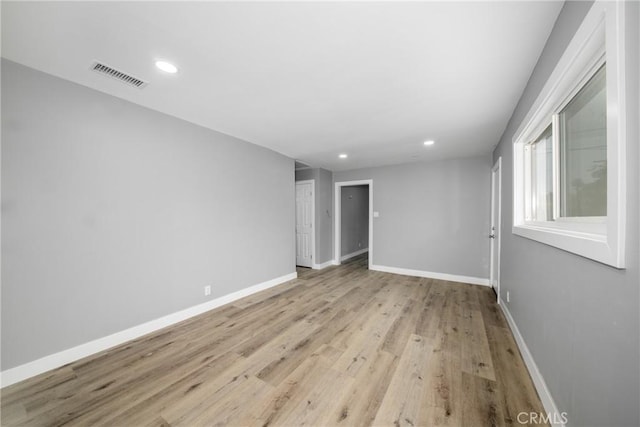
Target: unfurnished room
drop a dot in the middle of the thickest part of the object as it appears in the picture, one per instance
(320, 213)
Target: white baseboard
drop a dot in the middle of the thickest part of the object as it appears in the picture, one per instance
(353, 254)
(432, 275)
(47, 363)
(323, 265)
(538, 381)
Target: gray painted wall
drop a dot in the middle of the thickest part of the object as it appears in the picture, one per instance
(324, 217)
(354, 219)
(324, 208)
(306, 174)
(579, 318)
(114, 214)
(433, 216)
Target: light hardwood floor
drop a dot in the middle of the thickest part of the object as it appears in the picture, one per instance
(339, 347)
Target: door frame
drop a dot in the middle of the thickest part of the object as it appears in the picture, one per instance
(313, 221)
(496, 199)
(337, 239)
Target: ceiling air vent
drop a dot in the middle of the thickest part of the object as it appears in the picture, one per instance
(118, 75)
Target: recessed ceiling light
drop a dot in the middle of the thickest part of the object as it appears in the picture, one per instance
(167, 67)
(343, 156)
(429, 142)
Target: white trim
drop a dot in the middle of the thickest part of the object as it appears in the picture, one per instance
(338, 215)
(432, 275)
(56, 360)
(538, 381)
(323, 265)
(313, 221)
(601, 33)
(353, 254)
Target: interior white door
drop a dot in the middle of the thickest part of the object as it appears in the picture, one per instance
(494, 233)
(304, 223)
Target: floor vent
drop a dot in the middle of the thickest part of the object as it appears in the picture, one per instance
(118, 75)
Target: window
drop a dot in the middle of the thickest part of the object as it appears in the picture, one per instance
(539, 163)
(569, 165)
(583, 151)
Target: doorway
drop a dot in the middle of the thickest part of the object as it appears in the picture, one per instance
(496, 220)
(305, 223)
(338, 237)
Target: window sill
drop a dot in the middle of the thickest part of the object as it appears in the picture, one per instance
(590, 245)
(595, 229)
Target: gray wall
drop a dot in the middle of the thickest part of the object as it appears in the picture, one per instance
(354, 219)
(306, 174)
(324, 216)
(579, 318)
(324, 208)
(113, 214)
(433, 216)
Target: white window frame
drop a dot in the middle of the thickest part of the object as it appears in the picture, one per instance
(600, 38)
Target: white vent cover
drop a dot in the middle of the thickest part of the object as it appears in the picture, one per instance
(118, 75)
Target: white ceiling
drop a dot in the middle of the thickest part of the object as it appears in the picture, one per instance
(307, 79)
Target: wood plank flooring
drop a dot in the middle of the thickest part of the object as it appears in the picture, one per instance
(339, 347)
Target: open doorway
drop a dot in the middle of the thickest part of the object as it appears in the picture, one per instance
(494, 234)
(353, 220)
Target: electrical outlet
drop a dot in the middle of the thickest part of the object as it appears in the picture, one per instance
(508, 297)
(207, 291)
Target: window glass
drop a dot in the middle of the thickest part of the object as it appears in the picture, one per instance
(542, 177)
(583, 142)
